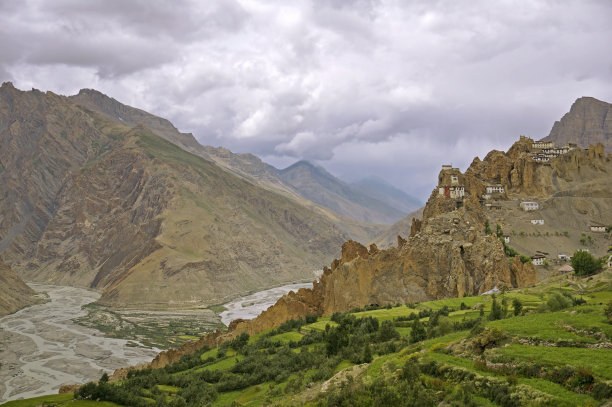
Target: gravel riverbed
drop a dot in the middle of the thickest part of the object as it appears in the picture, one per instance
(42, 349)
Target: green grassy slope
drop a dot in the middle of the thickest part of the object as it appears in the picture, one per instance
(546, 355)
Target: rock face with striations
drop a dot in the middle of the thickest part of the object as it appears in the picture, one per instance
(588, 122)
(90, 202)
(15, 294)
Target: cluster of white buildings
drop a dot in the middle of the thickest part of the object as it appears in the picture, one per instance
(543, 151)
(529, 206)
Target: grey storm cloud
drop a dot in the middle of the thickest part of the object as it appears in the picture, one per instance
(385, 88)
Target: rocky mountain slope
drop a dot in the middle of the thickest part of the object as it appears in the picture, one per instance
(245, 166)
(400, 228)
(15, 294)
(87, 201)
(381, 190)
(319, 186)
(588, 122)
(573, 192)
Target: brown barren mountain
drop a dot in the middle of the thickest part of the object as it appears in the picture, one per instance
(90, 202)
(588, 122)
(249, 167)
(14, 294)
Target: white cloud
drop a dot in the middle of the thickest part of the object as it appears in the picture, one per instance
(365, 87)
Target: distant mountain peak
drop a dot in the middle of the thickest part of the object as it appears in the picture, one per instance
(372, 205)
(588, 122)
(304, 164)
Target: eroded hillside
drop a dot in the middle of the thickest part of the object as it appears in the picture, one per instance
(89, 202)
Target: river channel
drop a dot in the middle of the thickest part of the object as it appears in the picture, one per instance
(252, 305)
(42, 349)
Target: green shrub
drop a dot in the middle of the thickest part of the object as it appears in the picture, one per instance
(410, 371)
(311, 318)
(558, 302)
(488, 338)
(601, 391)
(585, 264)
(582, 378)
(608, 312)
(518, 306)
(418, 332)
(497, 311)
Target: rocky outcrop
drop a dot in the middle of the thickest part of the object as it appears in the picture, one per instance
(415, 227)
(588, 122)
(15, 294)
(523, 274)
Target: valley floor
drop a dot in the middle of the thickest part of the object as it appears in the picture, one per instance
(41, 348)
(549, 345)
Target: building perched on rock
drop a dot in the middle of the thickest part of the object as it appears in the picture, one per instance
(543, 144)
(538, 260)
(544, 151)
(451, 183)
(598, 228)
(495, 189)
(453, 192)
(529, 206)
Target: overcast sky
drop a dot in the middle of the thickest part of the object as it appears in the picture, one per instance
(365, 88)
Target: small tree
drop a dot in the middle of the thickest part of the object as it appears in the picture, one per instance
(496, 311)
(488, 230)
(410, 371)
(518, 306)
(498, 231)
(418, 332)
(367, 354)
(387, 332)
(584, 263)
(608, 312)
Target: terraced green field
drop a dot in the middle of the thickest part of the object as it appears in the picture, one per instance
(452, 355)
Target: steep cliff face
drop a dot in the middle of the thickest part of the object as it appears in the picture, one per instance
(15, 294)
(449, 257)
(588, 122)
(87, 201)
(522, 176)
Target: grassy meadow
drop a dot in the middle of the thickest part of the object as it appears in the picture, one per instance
(547, 345)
